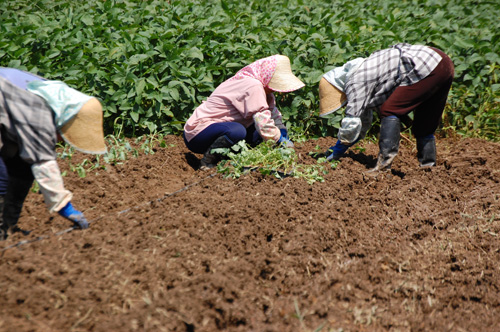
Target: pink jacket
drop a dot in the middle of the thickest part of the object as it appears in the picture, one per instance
(242, 100)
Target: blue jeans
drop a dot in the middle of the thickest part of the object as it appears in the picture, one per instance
(233, 131)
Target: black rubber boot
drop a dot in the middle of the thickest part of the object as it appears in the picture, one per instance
(426, 151)
(17, 191)
(210, 159)
(390, 129)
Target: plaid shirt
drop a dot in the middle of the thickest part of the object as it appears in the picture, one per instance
(27, 124)
(383, 71)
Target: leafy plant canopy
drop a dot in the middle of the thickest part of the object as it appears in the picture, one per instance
(152, 62)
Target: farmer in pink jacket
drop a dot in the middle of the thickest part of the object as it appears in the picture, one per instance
(242, 108)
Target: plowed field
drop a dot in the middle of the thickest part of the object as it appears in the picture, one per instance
(172, 248)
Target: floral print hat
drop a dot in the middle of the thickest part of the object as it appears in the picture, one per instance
(273, 72)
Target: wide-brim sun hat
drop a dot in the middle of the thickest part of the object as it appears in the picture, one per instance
(330, 98)
(283, 79)
(85, 130)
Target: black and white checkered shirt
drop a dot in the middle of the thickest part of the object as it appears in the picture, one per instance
(27, 123)
(383, 71)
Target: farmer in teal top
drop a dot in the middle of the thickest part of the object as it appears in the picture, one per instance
(33, 113)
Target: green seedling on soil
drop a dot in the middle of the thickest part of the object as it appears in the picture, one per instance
(268, 159)
(149, 143)
(320, 156)
(35, 187)
(119, 150)
(359, 149)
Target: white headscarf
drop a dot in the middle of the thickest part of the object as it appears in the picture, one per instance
(338, 76)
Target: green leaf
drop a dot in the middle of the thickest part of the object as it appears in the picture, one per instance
(174, 83)
(53, 53)
(470, 118)
(87, 19)
(174, 93)
(224, 5)
(463, 43)
(136, 58)
(134, 116)
(139, 87)
(195, 53)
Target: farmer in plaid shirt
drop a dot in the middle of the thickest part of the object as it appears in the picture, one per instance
(393, 82)
(34, 112)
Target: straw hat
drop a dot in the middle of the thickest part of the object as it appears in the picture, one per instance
(330, 98)
(283, 79)
(84, 131)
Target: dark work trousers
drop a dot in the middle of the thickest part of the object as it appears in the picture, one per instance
(426, 98)
(19, 178)
(4, 177)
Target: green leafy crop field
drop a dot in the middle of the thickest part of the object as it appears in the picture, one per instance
(153, 62)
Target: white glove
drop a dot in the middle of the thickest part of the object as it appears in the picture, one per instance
(350, 129)
(49, 178)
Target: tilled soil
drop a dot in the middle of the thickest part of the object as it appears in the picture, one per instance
(172, 248)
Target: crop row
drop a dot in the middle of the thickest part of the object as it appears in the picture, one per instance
(152, 62)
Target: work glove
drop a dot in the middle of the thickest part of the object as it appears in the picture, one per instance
(284, 133)
(284, 141)
(337, 151)
(70, 213)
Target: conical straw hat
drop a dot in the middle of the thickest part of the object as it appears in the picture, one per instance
(283, 79)
(85, 130)
(330, 98)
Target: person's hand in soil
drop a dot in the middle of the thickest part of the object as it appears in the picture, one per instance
(336, 151)
(286, 143)
(284, 140)
(70, 213)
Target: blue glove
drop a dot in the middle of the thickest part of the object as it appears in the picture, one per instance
(284, 133)
(70, 213)
(286, 143)
(337, 151)
(284, 140)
